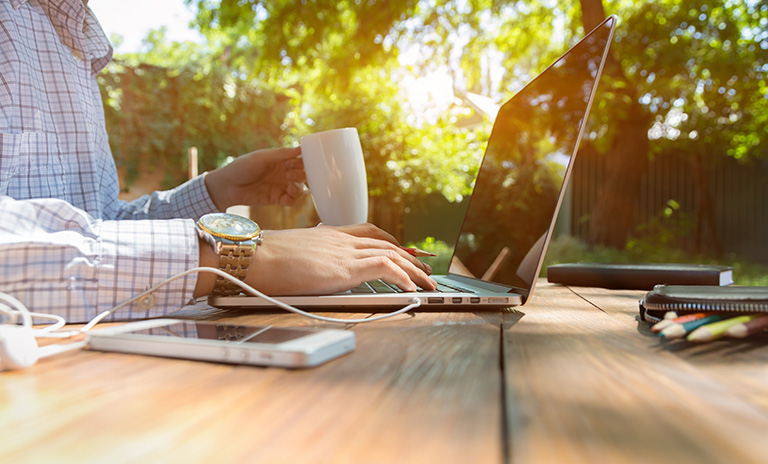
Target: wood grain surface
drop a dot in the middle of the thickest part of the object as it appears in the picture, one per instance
(586, 382)
(572, 376)
(423, 388)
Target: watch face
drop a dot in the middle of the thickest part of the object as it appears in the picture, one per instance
(229, 226)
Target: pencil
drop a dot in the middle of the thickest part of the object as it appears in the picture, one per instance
(745, 329)
(659, 326)
(416, 252)
(716, 330)
(679, 330)
(665, 321)
(670, 315)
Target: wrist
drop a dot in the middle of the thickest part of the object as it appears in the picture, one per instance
(256, 276)
(208, 257)
(217, 186)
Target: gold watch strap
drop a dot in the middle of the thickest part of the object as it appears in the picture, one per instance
(234, 259)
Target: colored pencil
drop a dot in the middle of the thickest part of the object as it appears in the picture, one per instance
(716, 330)
(679, 330)
(667, 320)
(659, 326)
(745, 329)
(416, 252)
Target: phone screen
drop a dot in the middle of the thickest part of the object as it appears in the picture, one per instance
(226, 332)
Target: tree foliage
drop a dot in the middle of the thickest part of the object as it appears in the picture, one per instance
(160, 103)
(688, 75)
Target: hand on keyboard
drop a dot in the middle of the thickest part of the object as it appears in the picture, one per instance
(326, 260)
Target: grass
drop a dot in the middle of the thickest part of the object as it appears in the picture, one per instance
(567, 249)
(442, 261)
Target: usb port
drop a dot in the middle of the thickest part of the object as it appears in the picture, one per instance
(456, 299)
(474, 299)
(435, 299)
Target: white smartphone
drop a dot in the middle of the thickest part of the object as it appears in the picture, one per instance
(227, 343)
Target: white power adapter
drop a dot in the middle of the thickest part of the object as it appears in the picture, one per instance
(18, 347)
(19, 350)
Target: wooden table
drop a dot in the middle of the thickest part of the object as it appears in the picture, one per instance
(571, 377)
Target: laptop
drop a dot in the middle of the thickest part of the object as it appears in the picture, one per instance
(517, 193)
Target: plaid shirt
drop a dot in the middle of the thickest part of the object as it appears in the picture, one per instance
(67, 244)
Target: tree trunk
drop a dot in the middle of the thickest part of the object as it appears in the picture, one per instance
(614, 214)
(387, 216)
(592, 14)
(706, 239)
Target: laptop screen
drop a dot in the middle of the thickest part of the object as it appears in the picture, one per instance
(522, 177)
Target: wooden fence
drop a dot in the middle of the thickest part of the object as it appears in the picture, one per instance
(739, 193)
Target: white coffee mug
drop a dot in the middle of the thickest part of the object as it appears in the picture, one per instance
(335, 168)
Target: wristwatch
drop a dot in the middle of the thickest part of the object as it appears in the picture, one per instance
(236, 239)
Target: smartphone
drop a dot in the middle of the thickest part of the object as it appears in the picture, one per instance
(292, 347)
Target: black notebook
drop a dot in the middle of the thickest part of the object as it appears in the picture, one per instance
(641, 276)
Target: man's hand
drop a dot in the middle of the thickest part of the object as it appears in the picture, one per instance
(325, 260)
(263, 177)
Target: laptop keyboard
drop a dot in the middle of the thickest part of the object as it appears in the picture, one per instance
(379, 286)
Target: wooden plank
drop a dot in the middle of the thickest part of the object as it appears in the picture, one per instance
(738, 364)
(621, 304)
(426, 388)
(584, 386)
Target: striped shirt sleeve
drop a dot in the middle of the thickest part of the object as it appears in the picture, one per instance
(58, 259)
(189, 200)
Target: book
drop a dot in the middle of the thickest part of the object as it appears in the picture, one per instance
(639, 276)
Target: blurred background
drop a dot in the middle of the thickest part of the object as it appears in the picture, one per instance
(673, 166)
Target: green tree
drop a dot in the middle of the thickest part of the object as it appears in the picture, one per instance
(701, 75)
(177, 95)
(338, 63)
(684, 76)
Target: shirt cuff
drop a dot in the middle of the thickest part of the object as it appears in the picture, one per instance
(192, 198)
(137, 255)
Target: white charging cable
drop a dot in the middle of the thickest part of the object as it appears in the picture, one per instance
(53, 332)
(15, 309)
(18, 348)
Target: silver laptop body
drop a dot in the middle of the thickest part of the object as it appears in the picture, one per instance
(515, 200)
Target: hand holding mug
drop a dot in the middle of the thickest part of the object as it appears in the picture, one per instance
(335, 171)
(263, 177)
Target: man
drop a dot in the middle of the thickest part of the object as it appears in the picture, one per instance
(69, 246)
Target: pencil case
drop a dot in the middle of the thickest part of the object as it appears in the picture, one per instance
(684, 299)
